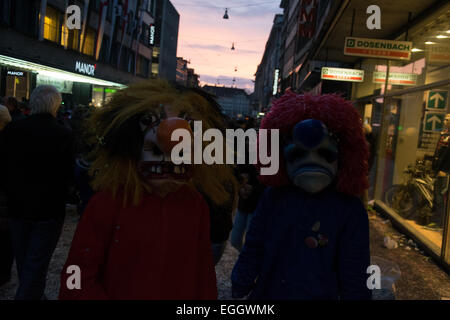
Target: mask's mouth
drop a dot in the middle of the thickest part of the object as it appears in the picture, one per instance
(152, 170)
(312, 168)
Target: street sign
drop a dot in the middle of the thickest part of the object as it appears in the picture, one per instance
(433, 121)
(378, 48)
(341, 74)
(437, 99)
(404, 79)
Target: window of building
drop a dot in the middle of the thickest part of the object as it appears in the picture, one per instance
(156, 51)
(155, 69)
(89, 43)
(51, 24)
(142, 67)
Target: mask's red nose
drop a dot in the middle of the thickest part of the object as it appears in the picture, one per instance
(165, 130)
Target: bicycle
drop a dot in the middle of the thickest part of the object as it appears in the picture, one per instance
(415, 195)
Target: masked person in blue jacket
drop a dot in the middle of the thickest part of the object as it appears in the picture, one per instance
(309, 237)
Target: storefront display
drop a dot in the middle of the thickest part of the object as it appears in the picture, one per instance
(20, 77)
(410, 116)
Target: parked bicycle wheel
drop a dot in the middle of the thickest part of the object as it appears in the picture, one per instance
(402, 199)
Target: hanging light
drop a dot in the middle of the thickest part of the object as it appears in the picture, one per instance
(232, 46)
(225, 16)
(235, 69)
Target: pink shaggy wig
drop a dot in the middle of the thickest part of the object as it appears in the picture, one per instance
(341, 118)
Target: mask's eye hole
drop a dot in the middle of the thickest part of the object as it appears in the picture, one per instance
(329, 155)
(294, 152)
(149, 120)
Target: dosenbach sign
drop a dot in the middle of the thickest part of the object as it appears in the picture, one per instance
(342, 74)
(405, 79)
(378, 48)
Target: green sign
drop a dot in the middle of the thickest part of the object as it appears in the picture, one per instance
(437, 99)
(433, 121)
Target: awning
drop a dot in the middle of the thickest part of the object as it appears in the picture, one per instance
(55, 73)
(394, 23)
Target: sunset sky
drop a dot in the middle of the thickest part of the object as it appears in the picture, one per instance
(205, 38)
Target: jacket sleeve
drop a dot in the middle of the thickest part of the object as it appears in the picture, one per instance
(206, 271)
(249, 263)
(89, 250)
(354, 254)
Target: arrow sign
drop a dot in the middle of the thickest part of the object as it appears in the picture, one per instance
(437, 100)
(437, 97)
(433, 122)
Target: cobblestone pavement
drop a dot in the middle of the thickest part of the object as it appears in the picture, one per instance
(420, 277)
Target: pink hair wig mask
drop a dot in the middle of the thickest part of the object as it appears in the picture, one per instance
(341, 119)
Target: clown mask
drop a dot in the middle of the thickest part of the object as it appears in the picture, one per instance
(156, 161)
(311, 156)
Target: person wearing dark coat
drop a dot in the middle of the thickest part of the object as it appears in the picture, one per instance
(249, 194)
(6, 253)
(39, 157)
(309, 237)
(13, 106)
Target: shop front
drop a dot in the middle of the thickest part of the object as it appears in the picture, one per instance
(398, 77)
(77, 87)
(405, 103)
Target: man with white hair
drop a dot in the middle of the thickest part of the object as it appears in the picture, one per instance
(39, 155)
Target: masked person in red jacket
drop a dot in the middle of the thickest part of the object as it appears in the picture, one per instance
(146, 233)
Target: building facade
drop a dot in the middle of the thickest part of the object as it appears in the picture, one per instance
(87, 64)
(268, 72)
(235, 102)
(182, 71)
(167, 19)
(397, 75)
(193, 79)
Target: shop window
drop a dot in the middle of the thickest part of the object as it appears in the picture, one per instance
(413, 170)
(97, 96)
(51, 24)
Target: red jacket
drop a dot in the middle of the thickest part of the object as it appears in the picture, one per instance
(158, 250)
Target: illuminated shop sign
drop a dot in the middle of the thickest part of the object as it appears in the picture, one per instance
(378, 48)
(404, 79)
(15, 73)
(152, 34)
(439, 53)
(85, 68)
(342, 74)
(275, 81)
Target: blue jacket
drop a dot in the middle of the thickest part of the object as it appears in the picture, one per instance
(276, 263)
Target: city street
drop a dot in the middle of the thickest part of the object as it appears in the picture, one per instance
(171, 124)
(421, 278)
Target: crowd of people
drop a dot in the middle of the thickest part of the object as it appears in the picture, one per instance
(48, 156)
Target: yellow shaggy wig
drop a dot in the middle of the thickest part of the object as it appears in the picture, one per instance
(117, 138)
